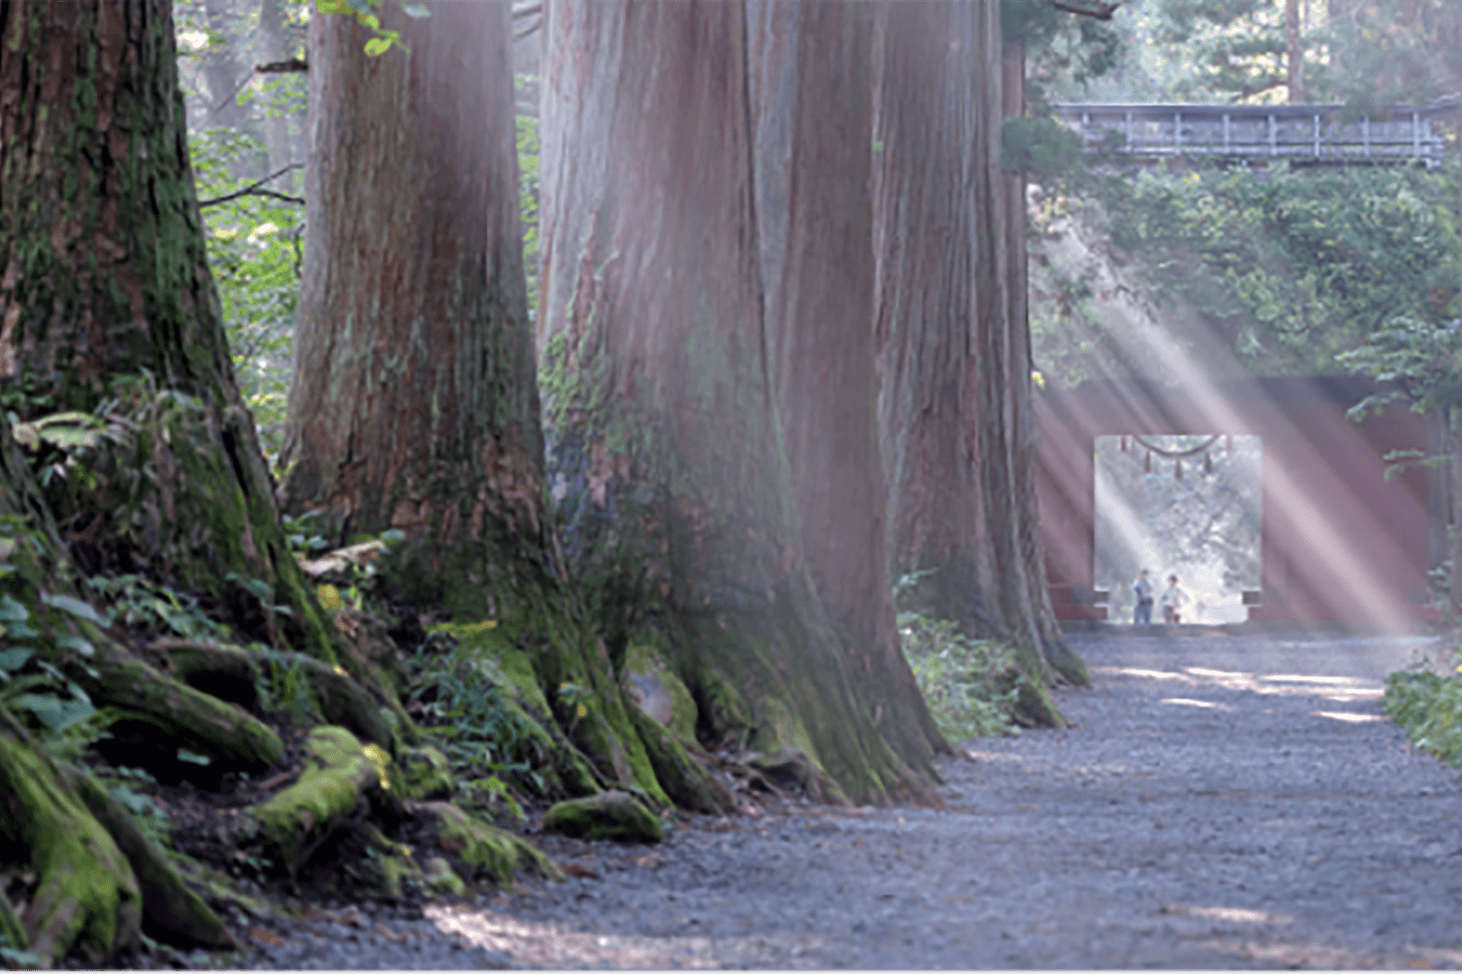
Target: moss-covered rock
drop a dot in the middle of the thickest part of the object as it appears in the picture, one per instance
(610, 815)
(339, 778)
(423, 773)
(485, 851)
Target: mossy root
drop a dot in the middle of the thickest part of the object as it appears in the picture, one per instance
(199, 721)
(170, 910)
(88, 896)
(688, 784)
(340, 777)
(486, 852)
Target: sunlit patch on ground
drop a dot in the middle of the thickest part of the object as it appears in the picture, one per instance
(556, 945)
(1323, 956)
(1206, 704)
(992, 756)
(1349, 718)
(1229, 914)
(1147, 674)
(1342, 689)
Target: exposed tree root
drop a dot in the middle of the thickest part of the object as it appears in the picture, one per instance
(197, 721)
(485, 852)
(340, 782)
(88, 895)
(170, 910)
(687, 783)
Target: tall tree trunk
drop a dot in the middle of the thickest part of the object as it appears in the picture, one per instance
(276, 127)
(224, 74)
(815, 223)
(1294, 57)
(413, 403)
(106, 277)
(1036, 599)
(667, 455)
(954, 394)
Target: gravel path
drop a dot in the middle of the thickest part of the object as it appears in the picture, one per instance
(1223, 802)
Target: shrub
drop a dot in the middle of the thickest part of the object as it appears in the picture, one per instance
(970, 685)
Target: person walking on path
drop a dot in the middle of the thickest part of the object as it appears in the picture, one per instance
(1142, 609)
(1173, 599)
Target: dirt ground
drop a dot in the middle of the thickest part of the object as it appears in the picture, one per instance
(1222, 802)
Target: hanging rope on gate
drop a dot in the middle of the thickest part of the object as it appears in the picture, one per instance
(1177, 454)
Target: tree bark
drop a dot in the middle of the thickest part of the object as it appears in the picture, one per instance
(1025, 513)
(815, 223)
(1294, 58)
(413, 403)
(667, 457)
(222, 69)
(106, 277)
(954, 397)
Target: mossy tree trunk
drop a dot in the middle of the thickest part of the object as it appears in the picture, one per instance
(414, 401)
(667, 456)
(954, 389)
(812, 103)
(1021, 365)
(105, 276)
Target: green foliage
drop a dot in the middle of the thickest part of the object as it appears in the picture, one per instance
(130, 787)
(353, 575)
(1297, 265)
(1062, 51)
(33, 689)
(17, 959)
(364, 12)
(136, 601)
(1042, 148)
(1423, 359)
(255, 249)
(527, 129)
(1429, 707)
(455, 697)
(284, 687)
(970, 685)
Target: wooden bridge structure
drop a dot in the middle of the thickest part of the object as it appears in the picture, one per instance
(1263, 134)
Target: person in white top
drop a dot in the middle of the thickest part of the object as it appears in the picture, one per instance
(1173, 600)
(1142, 609)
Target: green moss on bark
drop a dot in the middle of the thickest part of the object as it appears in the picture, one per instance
(486, 852)
(170, 910)
(340, 778)
(610, 815)
(88, 895)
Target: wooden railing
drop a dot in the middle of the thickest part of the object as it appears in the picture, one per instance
(1327, 134)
